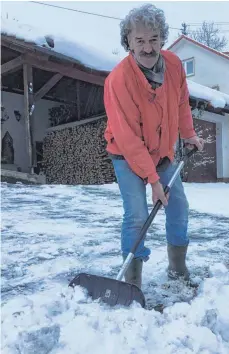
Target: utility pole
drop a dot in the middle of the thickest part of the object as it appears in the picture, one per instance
(184, 29)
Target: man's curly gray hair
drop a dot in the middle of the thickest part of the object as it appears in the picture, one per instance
(150, 16)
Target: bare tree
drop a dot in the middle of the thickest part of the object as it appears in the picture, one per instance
(209, 35)
(115, 51)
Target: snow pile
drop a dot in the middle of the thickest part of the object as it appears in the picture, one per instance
(68, 44)
(65, 321)
(216, 98)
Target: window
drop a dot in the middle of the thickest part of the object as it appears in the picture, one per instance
(189, 67)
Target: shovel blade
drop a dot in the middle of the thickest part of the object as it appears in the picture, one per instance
(110, 291)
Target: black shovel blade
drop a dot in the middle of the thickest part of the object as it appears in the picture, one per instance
(110, 291)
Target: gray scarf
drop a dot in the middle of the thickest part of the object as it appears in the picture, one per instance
(155, 75)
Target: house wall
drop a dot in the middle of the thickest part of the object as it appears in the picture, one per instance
(11, 102)
(210, 68)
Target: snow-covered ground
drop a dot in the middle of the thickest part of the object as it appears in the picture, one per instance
(50, 233)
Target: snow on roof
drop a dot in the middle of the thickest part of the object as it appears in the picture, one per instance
(70, 45)
(216, 98)
(94, 58)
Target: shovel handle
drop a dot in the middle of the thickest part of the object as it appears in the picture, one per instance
(190, 153)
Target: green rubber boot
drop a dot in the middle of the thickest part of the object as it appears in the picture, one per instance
(177, 267)
(134, 272)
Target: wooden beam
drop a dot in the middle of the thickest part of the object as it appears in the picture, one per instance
(49, 98)
(63, 69)
(74, 124)
(12, 65)
(45, 89)
(23, 47)
(10, 43)
(28, 112)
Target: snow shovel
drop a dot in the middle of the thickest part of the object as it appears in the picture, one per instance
(115, 291)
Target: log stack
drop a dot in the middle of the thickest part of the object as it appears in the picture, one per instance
(77, 155)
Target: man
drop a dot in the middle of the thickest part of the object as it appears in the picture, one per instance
(147, 104)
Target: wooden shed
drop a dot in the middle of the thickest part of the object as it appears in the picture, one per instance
(71, 151)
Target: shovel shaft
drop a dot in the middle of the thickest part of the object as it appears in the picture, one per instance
(125, 266)
(152, 215)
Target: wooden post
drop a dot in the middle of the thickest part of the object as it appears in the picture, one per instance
(28, 110)
(78, 99)
(12, 65)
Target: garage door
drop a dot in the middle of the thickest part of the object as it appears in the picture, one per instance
(203, 167)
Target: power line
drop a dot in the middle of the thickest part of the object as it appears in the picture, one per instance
(216, 23)
(85, 12)
(221, 31)
(186, 25)
(74, 10)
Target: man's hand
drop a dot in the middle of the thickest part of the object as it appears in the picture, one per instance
(158, 193)
(194, 141)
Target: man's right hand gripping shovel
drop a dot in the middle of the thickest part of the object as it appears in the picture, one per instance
(158, 193)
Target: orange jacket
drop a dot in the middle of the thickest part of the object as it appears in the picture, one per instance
(135, 110)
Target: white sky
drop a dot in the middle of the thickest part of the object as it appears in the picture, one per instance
(104, 33)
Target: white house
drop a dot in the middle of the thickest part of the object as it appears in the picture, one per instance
(202, 64)
(207, 68)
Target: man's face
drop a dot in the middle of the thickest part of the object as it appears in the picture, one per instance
(146, 45)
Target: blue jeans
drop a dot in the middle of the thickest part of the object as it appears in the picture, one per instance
(133, 192)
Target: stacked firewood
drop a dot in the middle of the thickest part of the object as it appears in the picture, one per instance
(77, 155)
